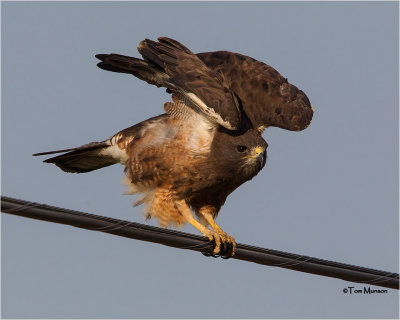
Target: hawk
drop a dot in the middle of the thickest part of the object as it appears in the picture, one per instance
(206, 144)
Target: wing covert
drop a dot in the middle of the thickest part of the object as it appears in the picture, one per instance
(193, 80)
(267, 98)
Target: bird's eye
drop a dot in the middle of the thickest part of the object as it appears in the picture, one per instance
(241, 148)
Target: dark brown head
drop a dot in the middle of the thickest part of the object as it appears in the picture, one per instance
(238, 156)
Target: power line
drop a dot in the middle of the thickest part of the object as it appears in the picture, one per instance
(188, 241)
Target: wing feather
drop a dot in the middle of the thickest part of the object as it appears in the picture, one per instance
(227, 87)
(191, 78)
(266, 97)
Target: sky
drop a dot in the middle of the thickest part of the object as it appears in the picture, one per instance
(330, 191)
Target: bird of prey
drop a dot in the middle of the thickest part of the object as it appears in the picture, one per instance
(206, 144)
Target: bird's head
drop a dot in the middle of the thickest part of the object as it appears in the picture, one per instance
(239, 155)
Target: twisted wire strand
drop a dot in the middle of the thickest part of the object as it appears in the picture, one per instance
(188, 241)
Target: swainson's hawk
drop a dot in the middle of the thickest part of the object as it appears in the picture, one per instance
(206, 144)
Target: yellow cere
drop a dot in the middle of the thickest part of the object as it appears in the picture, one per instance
(258, 150)
(255, 153)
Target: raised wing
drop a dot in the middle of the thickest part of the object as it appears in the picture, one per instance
(221, 84)
(266, 97)
(169, 64)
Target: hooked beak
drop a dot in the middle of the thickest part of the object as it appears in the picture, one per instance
(261, 156)
(257, 153)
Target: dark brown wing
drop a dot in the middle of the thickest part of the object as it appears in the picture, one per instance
(169, 64)
(267, 98)
(212, 81)
(190, 77)
(144, 70)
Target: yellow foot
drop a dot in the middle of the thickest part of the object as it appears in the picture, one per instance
(224, 244)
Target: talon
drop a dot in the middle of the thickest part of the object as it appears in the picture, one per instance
(210, 254)
(229, 244)
(217, 236)
(224, 244)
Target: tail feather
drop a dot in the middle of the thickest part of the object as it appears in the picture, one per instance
(86, 158)
(87, 146)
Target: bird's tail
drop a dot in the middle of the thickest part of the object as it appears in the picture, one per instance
(89, 157)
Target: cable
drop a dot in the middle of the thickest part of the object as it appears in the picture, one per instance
(188, 241)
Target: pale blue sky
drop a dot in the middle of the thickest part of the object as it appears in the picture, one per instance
(330, 191)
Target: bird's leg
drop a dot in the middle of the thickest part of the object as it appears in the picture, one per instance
(229, 243)
(185, 211)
